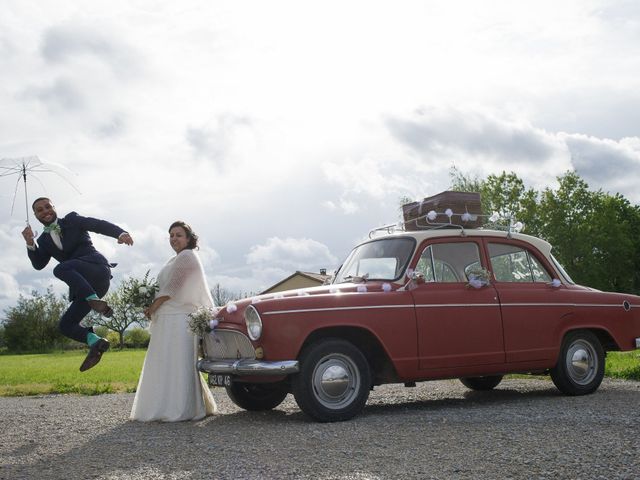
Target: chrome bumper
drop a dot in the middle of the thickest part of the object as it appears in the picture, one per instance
(248, 366)
(638, 342)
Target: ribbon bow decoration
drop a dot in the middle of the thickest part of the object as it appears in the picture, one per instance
(54, 227)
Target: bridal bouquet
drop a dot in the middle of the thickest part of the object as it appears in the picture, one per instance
(202, 321)
(140, 293)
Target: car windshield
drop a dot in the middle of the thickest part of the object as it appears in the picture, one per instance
(384, 259)
(563, 272)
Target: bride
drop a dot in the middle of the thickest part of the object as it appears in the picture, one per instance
(170, 388)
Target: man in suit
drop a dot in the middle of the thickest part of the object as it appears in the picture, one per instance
(85, 270)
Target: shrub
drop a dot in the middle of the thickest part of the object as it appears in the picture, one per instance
(113, 338)
(101, 331)
(32, 325)
(137, 337)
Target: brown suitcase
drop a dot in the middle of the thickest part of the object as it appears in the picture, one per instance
(459, 202)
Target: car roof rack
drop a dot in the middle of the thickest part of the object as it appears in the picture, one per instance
(456, 221)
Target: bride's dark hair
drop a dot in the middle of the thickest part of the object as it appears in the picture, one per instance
(191, 235)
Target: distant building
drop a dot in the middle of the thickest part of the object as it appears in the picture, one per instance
(299, 280)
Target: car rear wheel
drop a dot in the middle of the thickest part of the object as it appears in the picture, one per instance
(257, 396)
(482, 383)
(334, 381)
(580, 366)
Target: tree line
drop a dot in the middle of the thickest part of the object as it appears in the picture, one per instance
(595, 235)
(32, 324)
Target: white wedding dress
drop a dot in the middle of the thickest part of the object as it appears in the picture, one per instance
(170, 388)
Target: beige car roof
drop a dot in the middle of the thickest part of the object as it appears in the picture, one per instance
(543, 246)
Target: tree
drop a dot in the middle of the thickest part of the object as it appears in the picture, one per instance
(222, 296)
(32, 325)
(595, 235)
(125, 312)
(505, 194)
(615, 250)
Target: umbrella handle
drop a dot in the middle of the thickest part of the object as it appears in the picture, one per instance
(35, 232)
(26, 202)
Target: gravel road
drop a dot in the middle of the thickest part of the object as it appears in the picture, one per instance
(523, 429)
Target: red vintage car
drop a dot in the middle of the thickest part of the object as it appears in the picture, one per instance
(405, 307)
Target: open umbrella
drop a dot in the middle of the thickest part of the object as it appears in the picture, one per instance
(23, 167)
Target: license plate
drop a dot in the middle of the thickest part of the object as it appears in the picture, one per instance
(219, 380)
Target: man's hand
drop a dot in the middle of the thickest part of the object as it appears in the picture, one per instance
(27, 234)
(125, 238)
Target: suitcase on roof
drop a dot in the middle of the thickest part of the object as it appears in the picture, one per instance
(465, 207)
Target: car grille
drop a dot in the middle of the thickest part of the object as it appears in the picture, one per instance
(228, 344)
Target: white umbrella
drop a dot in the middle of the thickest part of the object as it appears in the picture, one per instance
(23, 167)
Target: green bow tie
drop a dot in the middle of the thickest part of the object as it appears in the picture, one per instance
(54, 227)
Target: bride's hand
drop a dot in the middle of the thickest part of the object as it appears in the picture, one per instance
(151, 309)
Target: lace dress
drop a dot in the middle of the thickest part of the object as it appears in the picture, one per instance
(170, 388)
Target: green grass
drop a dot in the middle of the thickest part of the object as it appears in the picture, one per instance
(58, 373)
(625, 365)
(119, 371)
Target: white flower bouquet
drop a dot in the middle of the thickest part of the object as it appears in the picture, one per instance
(203, 321)
(141, 293)
(479, 277)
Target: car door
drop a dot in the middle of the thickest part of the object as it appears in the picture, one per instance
(532, 309)
(458, 325)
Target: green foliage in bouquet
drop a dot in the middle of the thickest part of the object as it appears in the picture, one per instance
(140, 293)
(202, 321)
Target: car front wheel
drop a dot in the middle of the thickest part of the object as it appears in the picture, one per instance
(580, 366)
(257, 396)
(482, 383)
(334, 380)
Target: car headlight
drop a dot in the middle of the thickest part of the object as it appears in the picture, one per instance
(254, 322)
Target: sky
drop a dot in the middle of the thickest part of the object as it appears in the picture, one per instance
(284, 131)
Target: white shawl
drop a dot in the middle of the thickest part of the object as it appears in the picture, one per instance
(182, 279)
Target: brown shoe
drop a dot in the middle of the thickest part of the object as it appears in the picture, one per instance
(101, 307)
(95, 354)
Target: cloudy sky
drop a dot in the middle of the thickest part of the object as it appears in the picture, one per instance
(284, 131)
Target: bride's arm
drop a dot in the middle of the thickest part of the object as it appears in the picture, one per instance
(185, 279)
(155, 305)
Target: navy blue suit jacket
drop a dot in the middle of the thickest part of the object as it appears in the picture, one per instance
(76, 242)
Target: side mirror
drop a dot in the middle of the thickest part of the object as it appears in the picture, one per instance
(555, 283)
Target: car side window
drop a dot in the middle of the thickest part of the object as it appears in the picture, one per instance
(511, 263)
(447, 262)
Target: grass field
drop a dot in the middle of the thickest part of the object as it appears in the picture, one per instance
(625, 365)
(58, 373)
(119, 370)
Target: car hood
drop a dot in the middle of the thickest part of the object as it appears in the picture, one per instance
(352, 294)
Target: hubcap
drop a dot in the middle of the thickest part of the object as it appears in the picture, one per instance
(336, 380)
(582, 362)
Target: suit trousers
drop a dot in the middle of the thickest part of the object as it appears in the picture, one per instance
(84, 279)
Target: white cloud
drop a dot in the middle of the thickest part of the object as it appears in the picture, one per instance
(358, 176)
(263, 132)
(69, 43)
(9, 288)
(481, 142)
(298, 253)
(219, 141)
(607, 164)
(14, 252)
(478, 143)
